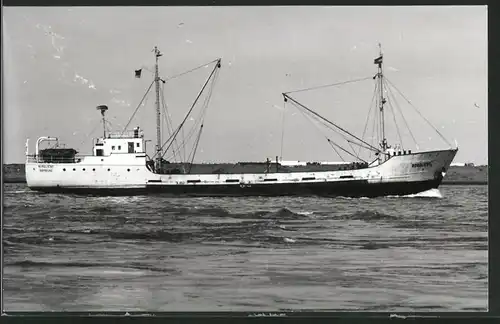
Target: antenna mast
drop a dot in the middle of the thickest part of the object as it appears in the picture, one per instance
(158, 117)
(103, 109)
(382, 100)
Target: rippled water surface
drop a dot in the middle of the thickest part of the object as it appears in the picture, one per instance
(420, 253)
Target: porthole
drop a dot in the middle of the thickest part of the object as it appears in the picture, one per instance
(83, 169)
(128, 170)
(93, 169)
(74, 169)
(63, 169)
(109, 169)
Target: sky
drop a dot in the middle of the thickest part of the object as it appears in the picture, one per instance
(60, 63)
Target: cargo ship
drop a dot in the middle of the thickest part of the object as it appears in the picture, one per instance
(119, 163)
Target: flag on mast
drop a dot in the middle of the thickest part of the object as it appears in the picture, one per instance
(378, 60)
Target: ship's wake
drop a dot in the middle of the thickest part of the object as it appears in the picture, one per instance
(431, 193)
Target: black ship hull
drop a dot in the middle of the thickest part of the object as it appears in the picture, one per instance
(352, 188)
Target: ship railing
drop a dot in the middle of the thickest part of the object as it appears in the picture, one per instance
(34, 158)
(125, 134)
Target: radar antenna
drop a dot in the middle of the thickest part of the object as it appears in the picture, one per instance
(103, 109)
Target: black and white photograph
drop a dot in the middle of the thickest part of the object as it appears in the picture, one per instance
(245, 158)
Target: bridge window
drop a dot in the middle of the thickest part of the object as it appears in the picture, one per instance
(119, 147)
(113, 147)
(138, 144)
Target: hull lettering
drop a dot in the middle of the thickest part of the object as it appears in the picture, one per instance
(45, 168)
(421, 165)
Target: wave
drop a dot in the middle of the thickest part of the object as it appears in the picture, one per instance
(42, 264)
(373, 245)
(194, 211)
(100, 209)
(285, 213)
(153, 235)
(369, 215)
(282, 213)
(451, 206)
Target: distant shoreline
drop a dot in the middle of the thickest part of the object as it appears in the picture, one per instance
(456, 175)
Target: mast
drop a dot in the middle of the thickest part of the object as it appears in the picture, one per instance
(158, 117)
(382, 101)
(103, 109)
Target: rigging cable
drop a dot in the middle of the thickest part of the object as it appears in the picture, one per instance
(91, 132)
(369, 111)
(391, 94)
(195, 148)
(204, 109)
(192, 70)
(136, 109)
(200, 120)
(357, 144)
(318, 119)
(329, 85)
(191, 109)
(326, 120)
(168, 121)
(428, 122)
(332, 143)
(374, 127)
(325, 124)
(395, 122)
(329, 141)
(193, 105)
(282, 130)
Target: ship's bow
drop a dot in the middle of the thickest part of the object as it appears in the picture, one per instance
(415, 172)
(442, 163)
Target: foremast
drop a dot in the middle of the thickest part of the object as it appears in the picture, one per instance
(158, 112)
(381, 100)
